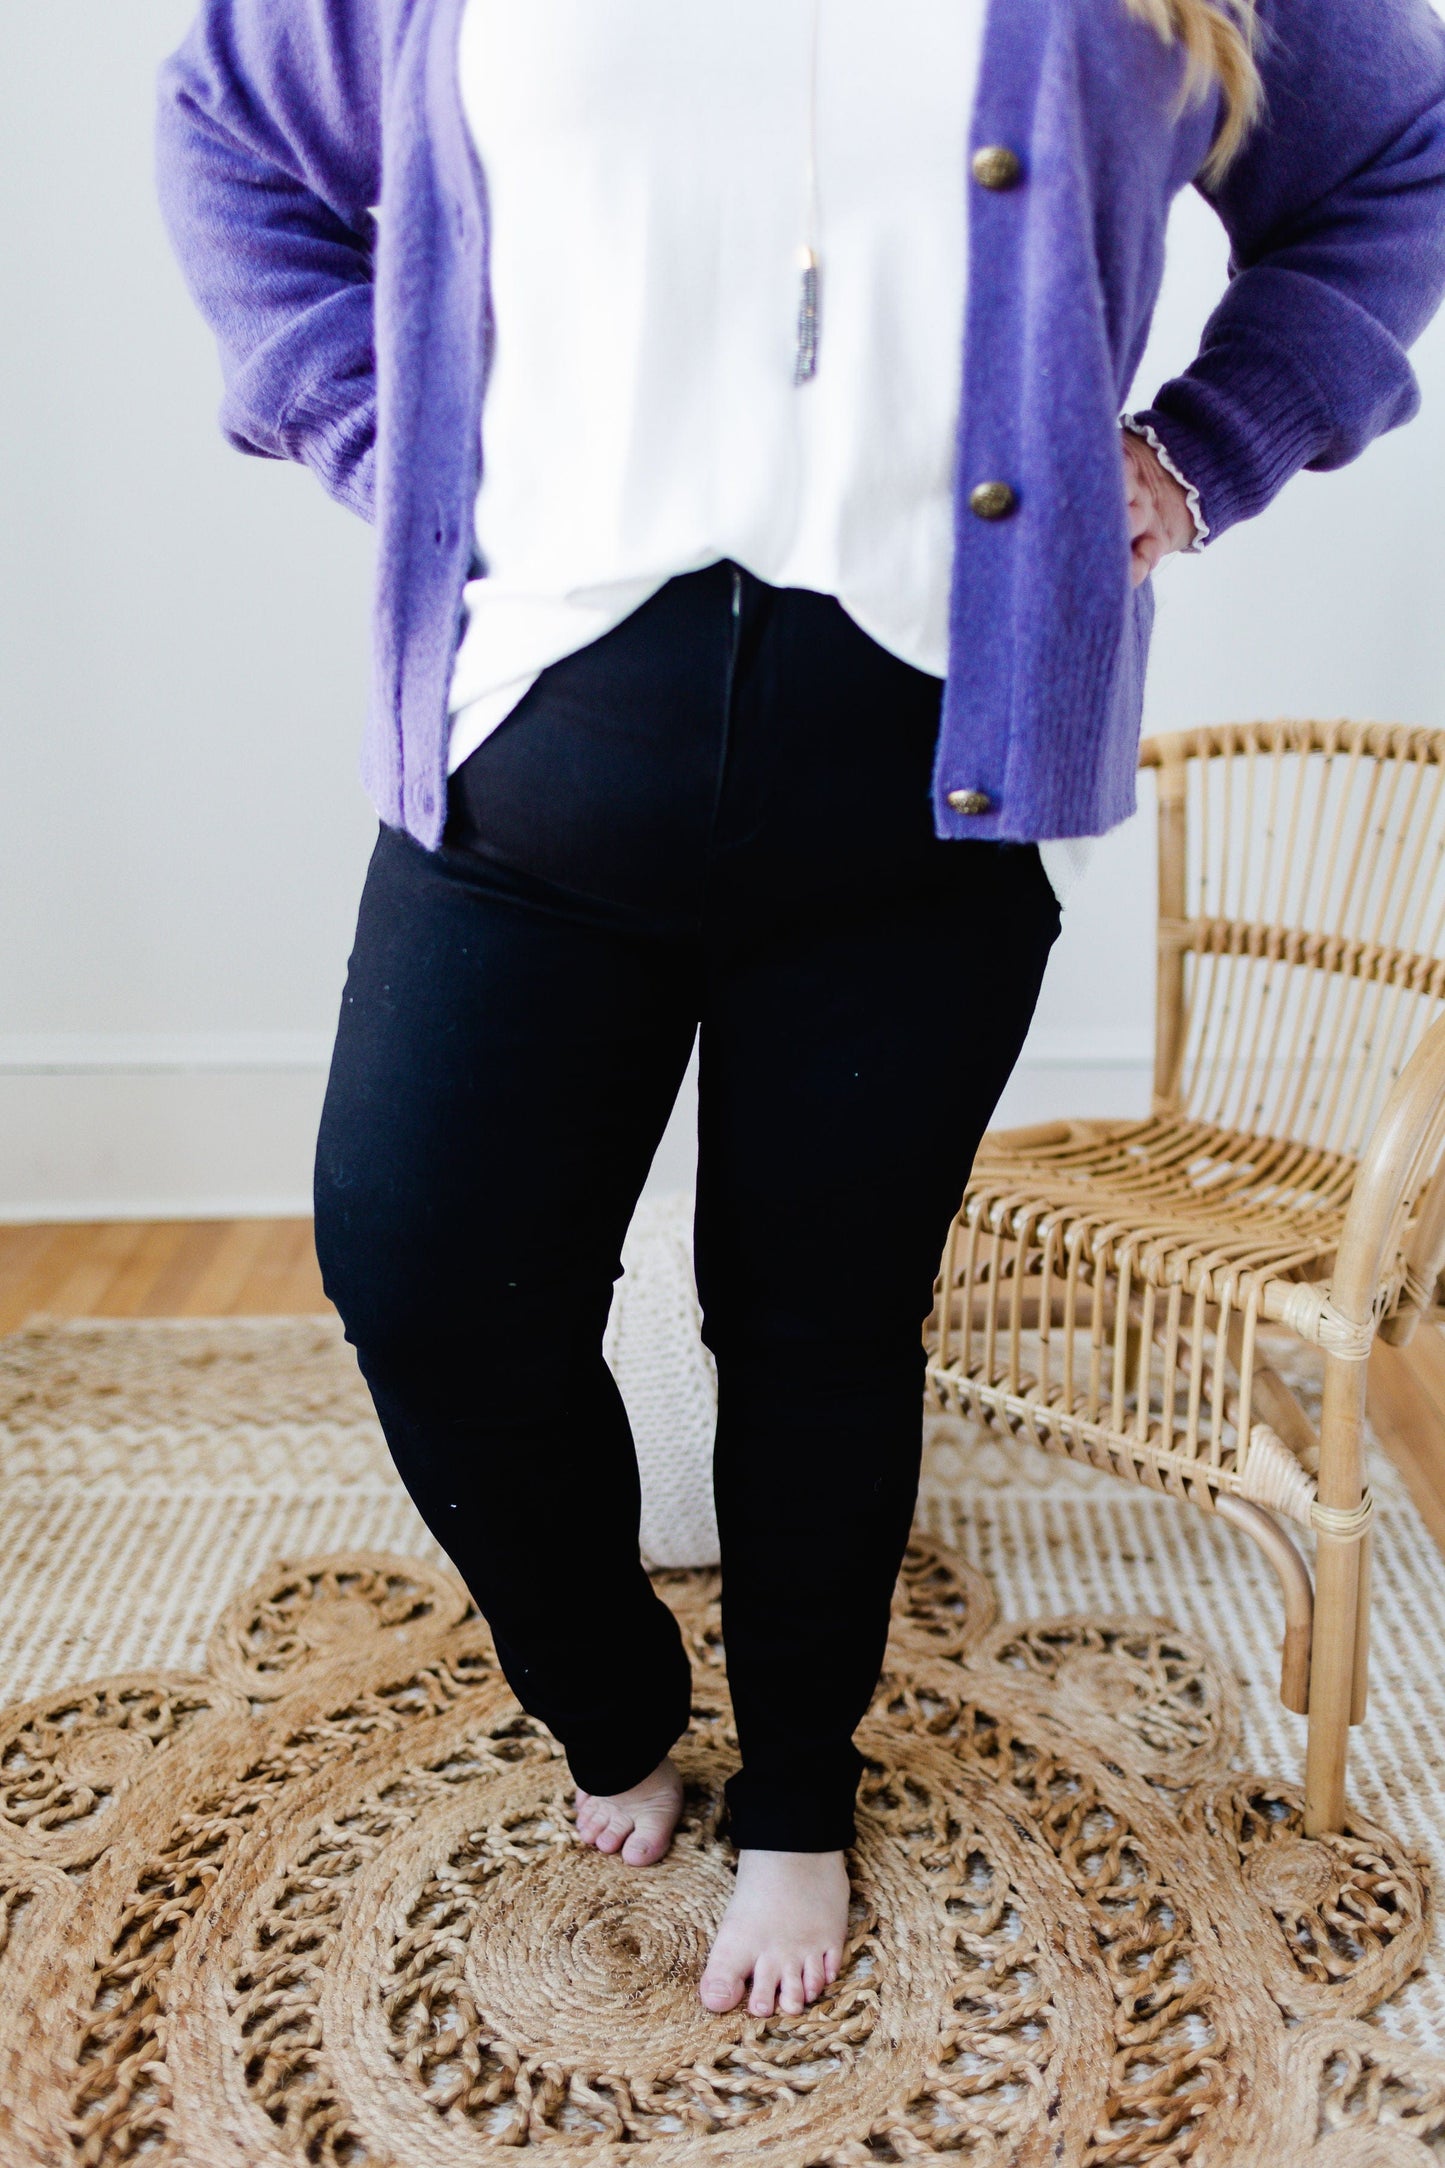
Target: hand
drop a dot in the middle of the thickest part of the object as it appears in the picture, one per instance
(1160, 520)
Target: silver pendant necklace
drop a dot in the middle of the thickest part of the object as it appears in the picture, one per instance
(805, 358)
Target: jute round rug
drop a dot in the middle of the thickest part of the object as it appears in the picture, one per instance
(312, 1893)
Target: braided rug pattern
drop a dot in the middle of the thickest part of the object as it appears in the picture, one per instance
(322, 1902)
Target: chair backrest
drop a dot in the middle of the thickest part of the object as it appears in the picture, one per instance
(1301, 923)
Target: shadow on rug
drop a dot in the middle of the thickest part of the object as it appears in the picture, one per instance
(324, 1904)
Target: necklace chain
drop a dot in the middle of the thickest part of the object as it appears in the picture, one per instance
(805, 358)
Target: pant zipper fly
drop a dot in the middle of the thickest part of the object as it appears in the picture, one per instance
(733, 641)
(729, 675)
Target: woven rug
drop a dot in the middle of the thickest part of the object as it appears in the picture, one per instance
(290, 1878)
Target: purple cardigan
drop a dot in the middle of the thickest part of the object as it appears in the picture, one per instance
(359, 342)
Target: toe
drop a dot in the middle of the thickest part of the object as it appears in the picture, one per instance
(721, 1986)
(815, 1978)
(763, 1999)
(614, 1833)
(791, 1998)
(647, 1843)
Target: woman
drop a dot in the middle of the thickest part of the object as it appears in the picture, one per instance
(758, 663)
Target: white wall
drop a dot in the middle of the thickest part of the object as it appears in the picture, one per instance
(182, 675)
(182, 671)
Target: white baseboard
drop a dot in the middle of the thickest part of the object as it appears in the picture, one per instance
(223, 1125)
(157, 1143)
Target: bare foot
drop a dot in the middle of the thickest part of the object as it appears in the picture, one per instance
(637, 1823)
(784, 1931)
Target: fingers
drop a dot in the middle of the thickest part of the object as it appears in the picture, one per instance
(1151, 515)
(1145, 552)
(1146, 537)
(1159, 517)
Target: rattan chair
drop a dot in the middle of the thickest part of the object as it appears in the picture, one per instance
(1105, 1282)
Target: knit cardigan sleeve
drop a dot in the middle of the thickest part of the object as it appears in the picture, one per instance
(269, 164)
(1335, 211)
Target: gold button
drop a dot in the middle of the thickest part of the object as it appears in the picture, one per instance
(996, 166)
(992, 500)
(970, 801)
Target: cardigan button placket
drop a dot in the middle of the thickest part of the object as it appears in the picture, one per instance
(996, 166)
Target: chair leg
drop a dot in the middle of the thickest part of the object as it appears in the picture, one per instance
(1360, 1699)
(1294, 1582)
(1332, 1684)
(1338, 1577)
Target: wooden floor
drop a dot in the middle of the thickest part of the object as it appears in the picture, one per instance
(158, 1268)
(238, 1268)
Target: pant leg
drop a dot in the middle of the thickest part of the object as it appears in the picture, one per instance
(504, 1067)
(869, 989)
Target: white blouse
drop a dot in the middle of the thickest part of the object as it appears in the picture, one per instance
(646, 171)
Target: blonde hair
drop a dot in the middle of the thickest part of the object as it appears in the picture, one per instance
(1218, 38)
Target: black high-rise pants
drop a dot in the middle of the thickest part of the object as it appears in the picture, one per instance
(715, 816)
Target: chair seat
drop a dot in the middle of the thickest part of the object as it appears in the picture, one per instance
(1184, 1199)
(1103, 1291)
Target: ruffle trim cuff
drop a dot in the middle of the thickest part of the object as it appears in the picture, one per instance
(1157, 446)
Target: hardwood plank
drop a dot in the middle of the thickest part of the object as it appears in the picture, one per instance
(158, 1268)
(109, 1248)
(199, 1241)
(22, 1257)
(129, 1294)
(21, 1248)
(33, 1293)
(213, 1290)
(285, 1279)
(1410, 1424)
(299, 1292)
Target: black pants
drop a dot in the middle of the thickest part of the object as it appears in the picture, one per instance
(717, 815)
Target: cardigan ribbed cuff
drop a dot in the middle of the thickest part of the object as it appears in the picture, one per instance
(336, 438)
(309, 393)
(1252, 409)
(1239, 434)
